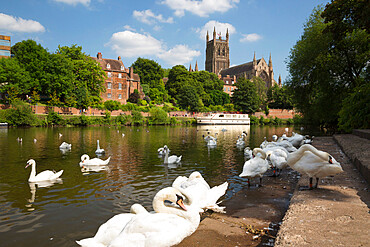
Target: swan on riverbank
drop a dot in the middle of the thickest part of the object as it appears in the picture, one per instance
(255, 167)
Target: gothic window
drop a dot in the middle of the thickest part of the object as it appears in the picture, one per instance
(223, 52)
(219, 51)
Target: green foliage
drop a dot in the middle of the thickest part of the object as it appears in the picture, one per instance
(20, 114)
(122, 119)
(261, 90)
(355, 113)
(188, 98)
(129, 107)
(245, 96)
(13, 77)
(279, 97)
(137, 118)
(134, 97)
(54, 118)
(254, 120)
(229, 107)
(112, 105)
(158, 116)
(84, 120)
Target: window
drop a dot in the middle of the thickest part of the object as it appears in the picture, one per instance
(119, 96)
(119, 86)
(108, 66)
(109, 85)
(109, 74)
(119, 75)
(109, 95)
(232, 82)
(122, 68)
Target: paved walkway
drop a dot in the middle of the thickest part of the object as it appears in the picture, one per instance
(336, 214)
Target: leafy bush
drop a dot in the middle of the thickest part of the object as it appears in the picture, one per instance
(122, 119)
(112, 105)
(254, 120)
(158, 116)
(137, 118)
(54, 118)
(20, 114)
(84, 121)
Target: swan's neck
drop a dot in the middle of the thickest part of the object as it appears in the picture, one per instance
(98, 146)
(165, 156)
(296, 155)
(259, 150)
(33, 171)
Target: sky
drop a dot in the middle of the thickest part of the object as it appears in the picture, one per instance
(170, 32)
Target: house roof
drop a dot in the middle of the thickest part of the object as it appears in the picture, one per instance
(115, 65)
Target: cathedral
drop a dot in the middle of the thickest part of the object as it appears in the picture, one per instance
(218, 62)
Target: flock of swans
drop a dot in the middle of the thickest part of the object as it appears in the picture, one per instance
(295, 151)
(177, 208)
(176, 215)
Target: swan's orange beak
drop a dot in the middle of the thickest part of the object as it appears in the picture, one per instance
(180, 202)
(28, 164)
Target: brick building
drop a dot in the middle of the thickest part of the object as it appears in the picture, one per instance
(4, 46)
(120, 81)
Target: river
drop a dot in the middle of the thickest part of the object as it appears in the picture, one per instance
(74, 208)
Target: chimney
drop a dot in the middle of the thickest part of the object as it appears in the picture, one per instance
(99, 56)
(131, 72)
(119, 58)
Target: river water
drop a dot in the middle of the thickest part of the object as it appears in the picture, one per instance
(59, 214)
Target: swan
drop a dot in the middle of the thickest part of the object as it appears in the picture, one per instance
(248, 153)
(42, 176)
(98, 149)
(161, 150)
(209, 137)
(278, 158)
(86, 161)
(202, 196)
(274, 138)
(172, 158)
(60, 135)
(212, 141)
(168, 226)
(65, 145)
(112, 228)
(240, 141)
(19, 139)
(256, 166)
(279, 143)
(34, 140)
(308, 160)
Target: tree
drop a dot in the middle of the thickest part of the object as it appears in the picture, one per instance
(245, 96)
(158, 115)
(13, 77)
(188, 98)
(261, 90)
(134, 97)
(149, 71)
(178, 77)
(112, 105)
(279, 98)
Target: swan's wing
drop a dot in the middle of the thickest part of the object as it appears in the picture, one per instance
(57, 175)
(108, 231)
(47, 175)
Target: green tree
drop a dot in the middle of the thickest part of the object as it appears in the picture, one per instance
(178, 77)
(134, 97)
(112, 105)
(245, 97)
(13, 77)
(158, 115)
(188, 98)
(261, 90)
(279, 98)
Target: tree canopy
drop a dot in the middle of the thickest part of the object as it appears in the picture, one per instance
(245, 97)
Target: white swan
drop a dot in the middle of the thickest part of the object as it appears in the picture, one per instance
(172, 159)
(86, 161)
(200, 193)
(240, 141)
(42, 176)
(60, 135)
(112, 228)
(278, 158)
(255, 167)
(248, 153)
(280, 143)
(308, 160)
(161, 150)
(168, 226)
(212, 141)
(98, 149)
(65, 145)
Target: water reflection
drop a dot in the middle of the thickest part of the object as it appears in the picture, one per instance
(87, 197)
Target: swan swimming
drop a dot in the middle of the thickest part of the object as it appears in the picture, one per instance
(65, 145)
(202, 196)
(255, 167)
(172, 158)
(98, 149)
(314, 163)
(161, 150)
(86, 161)
(168, 226)
(46, 175)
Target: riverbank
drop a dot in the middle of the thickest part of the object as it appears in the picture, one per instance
(335, 214)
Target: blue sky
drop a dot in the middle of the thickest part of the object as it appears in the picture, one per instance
(170, 32)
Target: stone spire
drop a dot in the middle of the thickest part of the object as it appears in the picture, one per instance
(190, 70)
(196, 65)
(270, 61)
(279, 80)
(214, 33)
(207, 36)
(227, 35)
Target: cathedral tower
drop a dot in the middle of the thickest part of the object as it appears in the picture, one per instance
(217, 53)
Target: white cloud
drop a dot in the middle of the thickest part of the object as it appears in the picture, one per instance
(253, 37)
(127, 27)
(14, 24)
(74, 2)
(201, 8)
(180, 54)
(131, 44)
(220, 27)
(148, 17)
